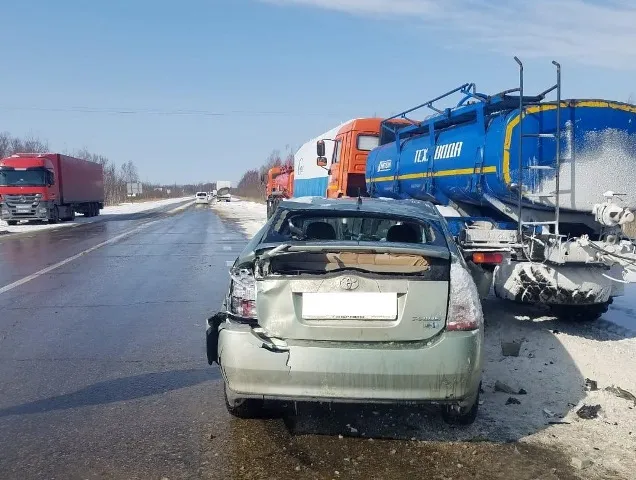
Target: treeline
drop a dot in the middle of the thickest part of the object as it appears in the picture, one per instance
(115, 177)
(250, 185)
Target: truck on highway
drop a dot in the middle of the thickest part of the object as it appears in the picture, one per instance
(49, 187)
(223, 190)
(539, 194)
(340, 171)
(279, 185)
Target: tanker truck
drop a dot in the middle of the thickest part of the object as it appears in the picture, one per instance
(539, 194)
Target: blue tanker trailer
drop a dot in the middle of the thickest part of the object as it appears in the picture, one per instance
(541, 189)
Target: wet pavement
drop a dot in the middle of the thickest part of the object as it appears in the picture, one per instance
(103, 374)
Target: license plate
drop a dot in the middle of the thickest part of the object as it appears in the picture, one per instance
(349, 306)
(23, 208)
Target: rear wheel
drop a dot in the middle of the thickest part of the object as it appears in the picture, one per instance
(455, 415)
(242, 407)
(580, 313)
(12, 222)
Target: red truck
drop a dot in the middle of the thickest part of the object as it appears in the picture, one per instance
(49, 187)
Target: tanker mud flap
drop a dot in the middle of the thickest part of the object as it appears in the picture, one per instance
(212, 336)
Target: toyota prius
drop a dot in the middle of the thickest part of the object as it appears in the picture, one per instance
(350, 300)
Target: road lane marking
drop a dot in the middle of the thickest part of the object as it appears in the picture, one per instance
(50, 268)
(227, 248)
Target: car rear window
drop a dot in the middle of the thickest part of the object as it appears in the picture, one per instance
(357, 227)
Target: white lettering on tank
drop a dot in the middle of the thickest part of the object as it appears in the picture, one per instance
(421, 156)
(448, 150)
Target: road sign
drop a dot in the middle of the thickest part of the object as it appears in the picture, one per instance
(133, 189)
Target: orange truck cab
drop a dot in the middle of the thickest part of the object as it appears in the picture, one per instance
(352, 145)
(279, 185)
(347, 166)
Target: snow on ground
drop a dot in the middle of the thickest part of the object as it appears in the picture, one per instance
(122, 209)
(250, 216)
(555, 360)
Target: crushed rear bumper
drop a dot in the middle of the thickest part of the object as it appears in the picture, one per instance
(445, 370)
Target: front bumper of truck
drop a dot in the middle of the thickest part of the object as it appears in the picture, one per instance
(34, 210)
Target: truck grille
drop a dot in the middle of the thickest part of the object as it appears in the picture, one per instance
(13, 200)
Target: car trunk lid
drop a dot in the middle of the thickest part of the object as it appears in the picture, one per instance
(353, 293)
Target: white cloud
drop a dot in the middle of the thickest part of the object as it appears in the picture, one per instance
(592, 32)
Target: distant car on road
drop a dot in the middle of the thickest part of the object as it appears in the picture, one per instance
(351, 300)
(201, 197)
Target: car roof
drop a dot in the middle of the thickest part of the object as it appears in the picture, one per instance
(406, 208)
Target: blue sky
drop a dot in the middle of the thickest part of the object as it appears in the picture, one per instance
(279, 71)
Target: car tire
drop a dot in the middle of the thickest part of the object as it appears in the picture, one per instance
(245, 408)
(12, 223)
(462, 416)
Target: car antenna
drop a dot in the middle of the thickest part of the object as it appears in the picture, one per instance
(359, 199)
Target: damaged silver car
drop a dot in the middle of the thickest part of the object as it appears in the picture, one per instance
(351, 300)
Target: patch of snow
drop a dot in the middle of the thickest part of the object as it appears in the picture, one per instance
(446, 211)
(122, 209)
(251, 216)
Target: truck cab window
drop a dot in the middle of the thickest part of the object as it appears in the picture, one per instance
(336, 152)
(366, 143)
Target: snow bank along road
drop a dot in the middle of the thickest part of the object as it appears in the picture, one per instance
(106, 212)
(555, 361)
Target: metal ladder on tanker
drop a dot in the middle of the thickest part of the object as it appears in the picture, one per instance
(556, 136)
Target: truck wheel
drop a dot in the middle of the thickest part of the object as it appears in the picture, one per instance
(55, 218)
(580, 313)
(242, 407)
(12, 223)
(96, 209)
(72, 215)
(453, 415)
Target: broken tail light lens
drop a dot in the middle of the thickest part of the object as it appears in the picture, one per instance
(243, 295)
(464, 310)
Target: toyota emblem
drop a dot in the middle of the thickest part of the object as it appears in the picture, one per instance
(349, 283)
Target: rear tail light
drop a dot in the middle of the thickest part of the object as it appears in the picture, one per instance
(243, 295)
(464, 312)
(487, 257)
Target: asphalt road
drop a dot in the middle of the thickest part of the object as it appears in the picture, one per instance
(103, 373)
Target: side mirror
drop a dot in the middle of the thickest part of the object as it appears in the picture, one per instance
(320, 148)
(321, 162)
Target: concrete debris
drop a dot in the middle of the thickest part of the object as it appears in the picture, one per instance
(512, 401)
(549, 413)
(502, 387)
(620, 393)
(591, 385)
(522, 392)
(581, 463)
(510, 349)
(588, 412)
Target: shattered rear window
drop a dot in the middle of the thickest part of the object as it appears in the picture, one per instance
(350, 226)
